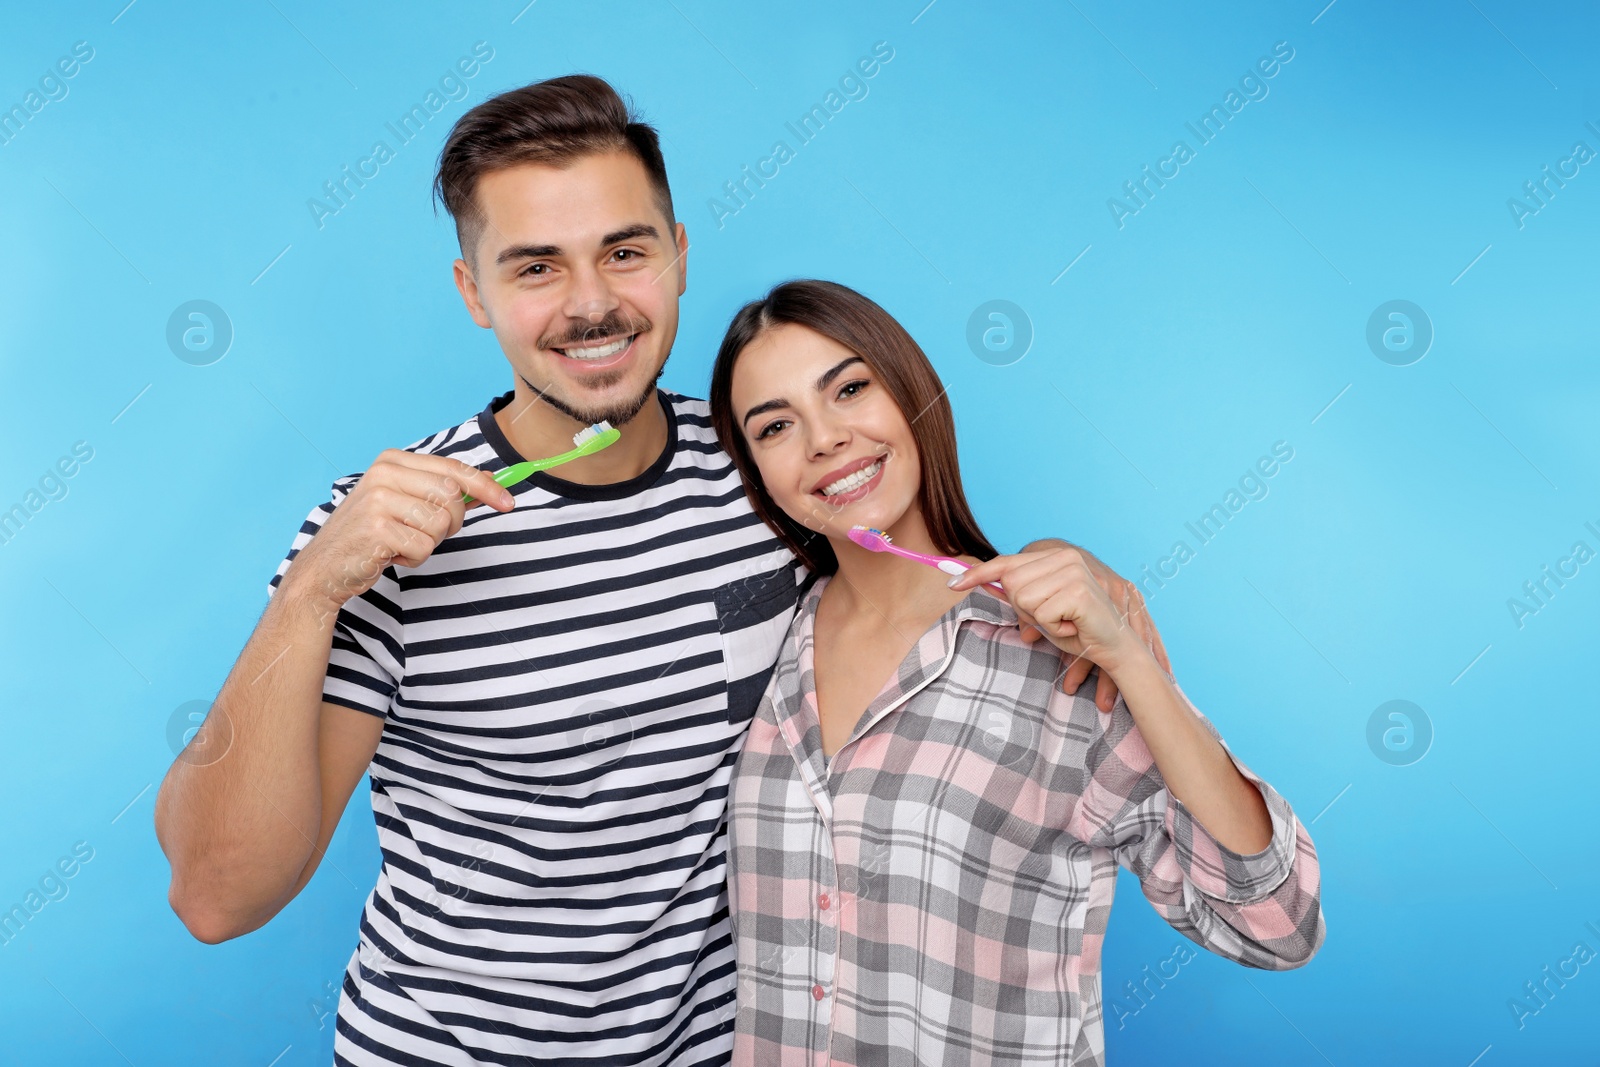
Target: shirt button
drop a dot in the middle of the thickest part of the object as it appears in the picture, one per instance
(823, 902)
(816, 992)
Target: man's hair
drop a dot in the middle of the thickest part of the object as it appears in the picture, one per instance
(553, 122)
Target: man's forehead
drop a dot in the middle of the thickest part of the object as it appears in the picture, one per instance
(575, 205)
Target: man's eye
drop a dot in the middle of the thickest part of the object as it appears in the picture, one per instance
(528, 271)
(627, 252)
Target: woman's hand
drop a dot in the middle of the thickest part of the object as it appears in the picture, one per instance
(1080, 605)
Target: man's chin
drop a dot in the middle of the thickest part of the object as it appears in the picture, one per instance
(618, 411)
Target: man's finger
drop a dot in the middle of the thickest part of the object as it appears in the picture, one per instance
(1105, 694)
(1145, 627)
(483, 489)
(1076, 672)
(479, 484)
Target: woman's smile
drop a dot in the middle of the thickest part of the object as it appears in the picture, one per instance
(853, 481)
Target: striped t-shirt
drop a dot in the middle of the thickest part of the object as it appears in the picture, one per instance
(564, 688)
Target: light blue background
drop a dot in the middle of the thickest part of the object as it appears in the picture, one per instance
(1228, 314)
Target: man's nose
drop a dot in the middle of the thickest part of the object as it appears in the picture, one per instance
(591, 298)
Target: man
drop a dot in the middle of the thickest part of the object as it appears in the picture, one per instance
(550, 685)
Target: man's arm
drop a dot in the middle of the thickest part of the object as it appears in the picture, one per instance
(247, 810)
(245, 823)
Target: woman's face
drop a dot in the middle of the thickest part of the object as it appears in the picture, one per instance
(832, 447)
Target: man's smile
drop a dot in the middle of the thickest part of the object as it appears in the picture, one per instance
(597, 355)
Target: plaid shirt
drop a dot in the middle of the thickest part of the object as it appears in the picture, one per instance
(937, 892)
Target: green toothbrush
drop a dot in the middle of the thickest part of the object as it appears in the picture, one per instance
(588, 441)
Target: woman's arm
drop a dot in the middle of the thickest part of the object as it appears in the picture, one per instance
(1192, 762)
(1057, 592)
(1217, 851)
(1262, 909)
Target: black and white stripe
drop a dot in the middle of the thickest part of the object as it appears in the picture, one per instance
(564, 688)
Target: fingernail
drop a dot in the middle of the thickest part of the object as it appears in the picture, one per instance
(952, 582)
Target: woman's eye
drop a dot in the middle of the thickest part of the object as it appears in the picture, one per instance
(771, 428)
(849, 389)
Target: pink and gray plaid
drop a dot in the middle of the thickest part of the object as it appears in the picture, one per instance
(937, 893)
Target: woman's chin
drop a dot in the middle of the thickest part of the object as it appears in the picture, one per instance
(835, 521)
(873, 518)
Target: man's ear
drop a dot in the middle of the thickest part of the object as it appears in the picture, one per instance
(681, 239)
(467, 285)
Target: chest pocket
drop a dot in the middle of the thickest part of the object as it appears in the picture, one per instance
(754, 614)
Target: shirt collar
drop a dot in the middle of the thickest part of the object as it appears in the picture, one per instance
(794, 696)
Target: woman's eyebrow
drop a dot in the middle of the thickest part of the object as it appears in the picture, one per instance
(822, 383)
(764, 407)
(833, 372)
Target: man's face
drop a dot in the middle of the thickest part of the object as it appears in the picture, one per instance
(578, 273)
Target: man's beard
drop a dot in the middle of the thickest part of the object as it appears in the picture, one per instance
(618, 414)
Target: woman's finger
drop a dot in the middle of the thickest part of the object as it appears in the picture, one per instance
(993, 570)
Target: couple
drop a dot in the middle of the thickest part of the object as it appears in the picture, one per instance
(651, 731)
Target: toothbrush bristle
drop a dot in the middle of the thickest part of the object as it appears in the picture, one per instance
(584, 436)
(868, 537)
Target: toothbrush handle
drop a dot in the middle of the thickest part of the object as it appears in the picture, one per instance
(955, 567)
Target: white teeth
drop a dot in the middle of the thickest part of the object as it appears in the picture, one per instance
(853, 481)
(604, 351)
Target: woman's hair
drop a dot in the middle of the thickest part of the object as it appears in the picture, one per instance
(847, 318)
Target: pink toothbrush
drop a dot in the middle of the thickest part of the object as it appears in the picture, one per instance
(874, 540)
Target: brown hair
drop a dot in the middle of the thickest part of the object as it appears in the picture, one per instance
(850, 319)
(553, 122)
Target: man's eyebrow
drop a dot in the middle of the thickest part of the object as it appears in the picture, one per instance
(833, 372)
(628, 233)
(822, 383)
(527, 252)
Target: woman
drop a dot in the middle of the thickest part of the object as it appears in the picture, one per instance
(925, 829)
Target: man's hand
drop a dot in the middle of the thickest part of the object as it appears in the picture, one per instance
(1125, 597)
(398, 513)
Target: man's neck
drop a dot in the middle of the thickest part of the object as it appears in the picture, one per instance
(536, 430)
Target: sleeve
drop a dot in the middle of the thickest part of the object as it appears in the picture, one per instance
(368, 654)
(1263, 910)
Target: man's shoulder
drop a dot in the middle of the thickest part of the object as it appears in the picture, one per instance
(692, 413)
(464, 441)
(697, 436)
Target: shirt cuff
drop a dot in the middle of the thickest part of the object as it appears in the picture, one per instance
(1217, 870)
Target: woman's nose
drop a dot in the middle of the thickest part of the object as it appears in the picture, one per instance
(827, 436)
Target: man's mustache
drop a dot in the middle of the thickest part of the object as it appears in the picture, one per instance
(598, 332)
